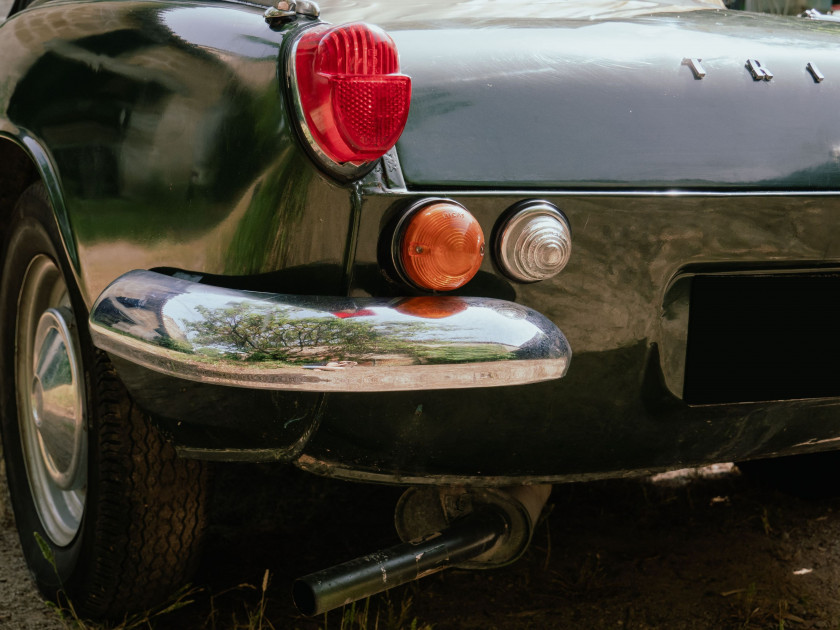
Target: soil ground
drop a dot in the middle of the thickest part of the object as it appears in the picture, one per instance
(696, 550)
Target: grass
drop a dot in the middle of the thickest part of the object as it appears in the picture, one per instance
(252, 618)
(385, 615)
(750, 610)
(378, 613)
(243, 595)
(608, 552)
(66, 611)
(72, 621)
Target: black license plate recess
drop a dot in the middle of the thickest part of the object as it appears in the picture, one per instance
(763, 337)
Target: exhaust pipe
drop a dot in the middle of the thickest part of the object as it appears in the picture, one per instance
(464, 540)
(445, 527)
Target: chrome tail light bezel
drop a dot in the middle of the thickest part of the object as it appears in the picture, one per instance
(346, 171)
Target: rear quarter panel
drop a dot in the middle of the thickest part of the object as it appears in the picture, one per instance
(167, 133)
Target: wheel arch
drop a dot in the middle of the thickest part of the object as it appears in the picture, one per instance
(25, 162)
(109, 553)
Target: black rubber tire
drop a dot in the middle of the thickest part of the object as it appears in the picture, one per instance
(144, 509)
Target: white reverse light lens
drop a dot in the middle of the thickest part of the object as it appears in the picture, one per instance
(534, 243)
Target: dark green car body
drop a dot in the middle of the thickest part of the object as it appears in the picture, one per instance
(701, 297)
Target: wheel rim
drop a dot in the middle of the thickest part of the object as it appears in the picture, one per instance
(51, 413)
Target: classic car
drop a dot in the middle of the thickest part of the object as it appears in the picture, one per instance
(364, 238)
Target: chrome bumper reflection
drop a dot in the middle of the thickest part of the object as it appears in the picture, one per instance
(311, 343)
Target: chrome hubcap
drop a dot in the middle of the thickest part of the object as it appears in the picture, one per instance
(51, 401)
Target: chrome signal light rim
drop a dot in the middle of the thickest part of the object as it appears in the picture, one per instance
(398, 234)
(532, 242)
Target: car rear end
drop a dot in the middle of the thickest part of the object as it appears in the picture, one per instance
(700, 196)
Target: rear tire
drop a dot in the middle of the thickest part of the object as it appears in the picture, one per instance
(105, 510)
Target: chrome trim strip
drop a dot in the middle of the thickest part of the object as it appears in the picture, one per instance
(334, 470)
(814, 14)
(758, 72)
(541, 193)
(818, 76)
(324, 344)
(696, 67)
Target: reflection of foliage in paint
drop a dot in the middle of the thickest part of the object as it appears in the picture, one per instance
(264, 233)
(58, 372)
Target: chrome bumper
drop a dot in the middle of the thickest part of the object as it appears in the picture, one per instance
(256, 340)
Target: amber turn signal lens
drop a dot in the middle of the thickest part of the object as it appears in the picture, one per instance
(441, 246)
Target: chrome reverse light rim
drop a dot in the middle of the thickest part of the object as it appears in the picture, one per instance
(532, 242)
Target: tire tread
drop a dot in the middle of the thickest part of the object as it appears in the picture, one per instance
(150, 506)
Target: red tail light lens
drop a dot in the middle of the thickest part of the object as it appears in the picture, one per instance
(353, 98)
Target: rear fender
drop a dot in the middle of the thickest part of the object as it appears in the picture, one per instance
(26, 161)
